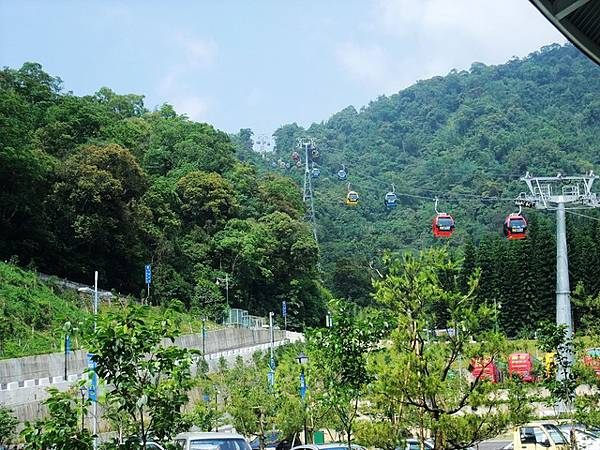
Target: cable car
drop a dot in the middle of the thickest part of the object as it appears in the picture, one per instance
(390, 198)
(299, 164)
(515, 227)
(443, 225)
(296, 156)
(315, 172)
(352, 198)
(315, 153)
(342, 174)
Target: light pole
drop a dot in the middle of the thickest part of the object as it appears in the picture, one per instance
(497, 310)
(303, 361)
(82, 391)
(226, 280)
(203, 336)
(67, 341)
(272, 356)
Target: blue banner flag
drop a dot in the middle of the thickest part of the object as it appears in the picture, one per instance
(93, 378)
(148, 274)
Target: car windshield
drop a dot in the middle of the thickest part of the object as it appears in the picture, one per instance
(221, 444)
(555, 434)
(445, 221)
(517, 223)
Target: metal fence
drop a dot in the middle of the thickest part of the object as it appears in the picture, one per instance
(241, 319)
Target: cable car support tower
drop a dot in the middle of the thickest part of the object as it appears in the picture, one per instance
(561, 194)
(308, 145)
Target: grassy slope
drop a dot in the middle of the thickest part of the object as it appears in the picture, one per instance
(32, 314)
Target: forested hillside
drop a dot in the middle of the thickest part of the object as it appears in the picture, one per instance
(461, 137)
(99, 182)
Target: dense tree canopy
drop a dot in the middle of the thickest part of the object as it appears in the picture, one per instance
(460, 137)
(99, 182)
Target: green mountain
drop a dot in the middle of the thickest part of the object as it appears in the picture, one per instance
(459, 137)
(465, 139)
(99, 182)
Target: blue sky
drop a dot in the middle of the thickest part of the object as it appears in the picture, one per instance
(263, 63)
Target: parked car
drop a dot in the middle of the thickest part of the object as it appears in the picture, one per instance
(211, 441)
(274, 440)
(584, 439)
(413, 444)
(154, 446)
(566, 427)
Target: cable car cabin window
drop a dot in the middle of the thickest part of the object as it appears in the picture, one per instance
(445, 222)
(517, 223)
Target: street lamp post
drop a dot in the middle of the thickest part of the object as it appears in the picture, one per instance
(82, 391)
(497, 310)
(203, 336)
(303, 361)
(226, 280)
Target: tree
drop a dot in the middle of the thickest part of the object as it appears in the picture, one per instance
(62, 428)
(92, 214)
(207, 200)
(208, 300)
(150, 379)
(341, 354)
(422, 373)
(8, 426)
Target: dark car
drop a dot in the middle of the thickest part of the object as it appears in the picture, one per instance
(274, 440)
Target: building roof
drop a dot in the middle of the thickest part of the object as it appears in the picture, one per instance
(578, 20)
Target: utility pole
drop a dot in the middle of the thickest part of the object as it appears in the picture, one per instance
(561, 194)
(272, 356)
(308, 145)
(94, 376)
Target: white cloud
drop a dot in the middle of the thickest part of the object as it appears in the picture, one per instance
(367, 63)
(198, 52)
(194, 57)
(460, 30)
(194, 107)
(408, 40)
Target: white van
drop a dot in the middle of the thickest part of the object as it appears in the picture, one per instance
(211, 441)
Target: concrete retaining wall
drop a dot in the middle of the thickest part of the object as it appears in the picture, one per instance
(28, 385)
(53, 365)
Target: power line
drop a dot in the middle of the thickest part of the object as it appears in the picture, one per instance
(583, 215)
(444, 195)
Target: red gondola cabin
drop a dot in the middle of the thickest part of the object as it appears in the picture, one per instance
(515, 227)
(443, 225)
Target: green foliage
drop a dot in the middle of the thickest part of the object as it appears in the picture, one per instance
(8, 426)
(425, 376)
(32, 314)
(150, 380)
(467, 134)
(341, 354)
(101, 183)
(62, 428)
